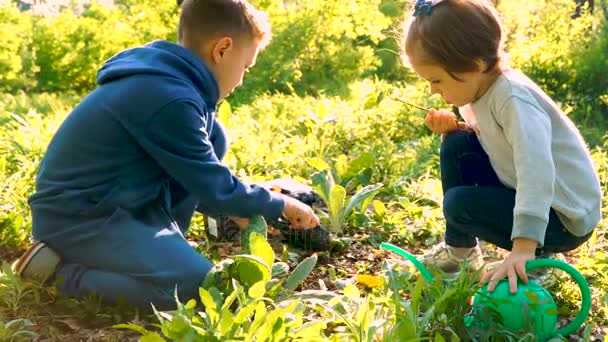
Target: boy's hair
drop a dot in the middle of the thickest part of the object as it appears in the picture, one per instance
(202, 20)
(454, 35)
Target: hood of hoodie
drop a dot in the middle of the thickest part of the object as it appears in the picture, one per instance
(162, 58)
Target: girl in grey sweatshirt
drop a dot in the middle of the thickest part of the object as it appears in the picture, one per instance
(516, 172)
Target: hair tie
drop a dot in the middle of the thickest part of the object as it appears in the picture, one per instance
(423, 8)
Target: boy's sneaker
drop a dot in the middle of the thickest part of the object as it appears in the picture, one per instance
(39, 262)
(445, 258)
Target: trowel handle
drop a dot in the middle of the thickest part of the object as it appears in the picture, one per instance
(582, 284)
(423, 270)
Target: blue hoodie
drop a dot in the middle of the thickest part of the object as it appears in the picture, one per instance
(138, 146)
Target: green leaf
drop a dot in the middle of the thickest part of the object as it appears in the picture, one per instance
(231, 298)
(310, 330)
(257, 224)
(318, 164)
(257, 290)
(351, 291)
(439, 338)
(223, 112)
(259, 246)
(379, 208)
(131, 326)
(210, 305)
(250, 269)
(322, 183)
(226, 322)
(180, 324)
(152, 337)
(245, 312)
(357, 165)
(341, 167)
(280, 269)
(363, 195)
(336, 201)
(381, 96)
(300, 273)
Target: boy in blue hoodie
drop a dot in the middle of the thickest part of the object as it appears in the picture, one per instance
(127, 169)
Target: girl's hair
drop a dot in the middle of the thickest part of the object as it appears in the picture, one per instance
(202, 20)
(454, 34)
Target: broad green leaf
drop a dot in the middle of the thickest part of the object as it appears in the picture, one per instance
(310, 330)
(381, 96)
(259, 246)
(131, 326)
(179, 324)
(245, 311)
(372, 101)
(365, 176)
(379, 208)
(336, 201)
(280, 269)
(260, 309)
(439, 338)
(366, 193)
(226, 322)
(300, 273)
(223, 112)
(351, 291)
(191, 304)
(257, 290)
(322, 183)
(250, 269)
(318, 164)
(231, 298)
(341, 166)
(257, 224)
(210, 305)
(152, 337)
(362, 162)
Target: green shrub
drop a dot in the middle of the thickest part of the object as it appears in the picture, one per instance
(15, 29)
(70, 48)
(318, 47)
(566, 57)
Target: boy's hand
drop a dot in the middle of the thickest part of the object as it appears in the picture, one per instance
(299, 215)
(513, 266)
(441, 121)
(243, 223)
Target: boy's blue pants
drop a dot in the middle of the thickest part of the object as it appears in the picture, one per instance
(135, 263)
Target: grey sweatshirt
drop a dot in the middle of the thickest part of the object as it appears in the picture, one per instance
(536, 150)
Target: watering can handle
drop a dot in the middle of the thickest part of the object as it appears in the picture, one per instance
(423, 270)
(580, 281)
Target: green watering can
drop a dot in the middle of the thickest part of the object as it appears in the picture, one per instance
(541, 308)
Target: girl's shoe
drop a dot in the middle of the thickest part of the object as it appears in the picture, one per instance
(445, 258)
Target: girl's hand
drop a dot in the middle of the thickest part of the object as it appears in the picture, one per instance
(299, 215)
(513, 266)
(441, 121)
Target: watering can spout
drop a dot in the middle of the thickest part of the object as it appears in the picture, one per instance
(399, 251)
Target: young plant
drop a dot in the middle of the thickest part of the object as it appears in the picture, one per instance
(339, 206)
(17, 330)
(238, 296)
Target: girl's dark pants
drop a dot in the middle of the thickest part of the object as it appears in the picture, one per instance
(477, 205)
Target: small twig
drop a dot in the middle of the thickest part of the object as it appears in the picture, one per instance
(410, 104)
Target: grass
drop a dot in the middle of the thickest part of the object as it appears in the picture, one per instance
(406, 212)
